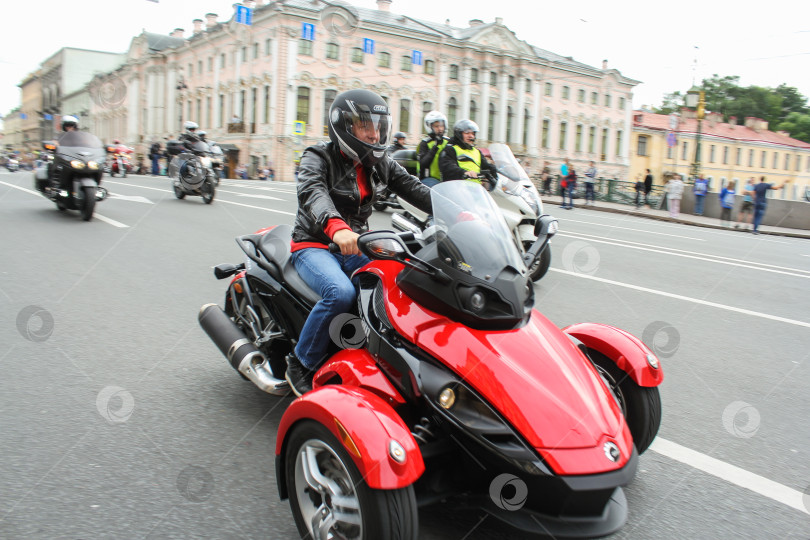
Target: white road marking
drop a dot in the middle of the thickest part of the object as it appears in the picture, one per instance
(96, 215)
(735, 475)
(690, 255)
(132, 198)
(566, 220)
(686, 298)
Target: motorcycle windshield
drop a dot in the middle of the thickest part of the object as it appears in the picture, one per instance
(199, 147)
(470, 233)
(512, 174)
(79, 139)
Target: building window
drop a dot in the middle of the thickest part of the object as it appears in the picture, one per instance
(669, 152)
(244, 54)
(619, 134)
(739, 156)
(208, 111)
(305, 47)
(787, 162)
(581, 95)
(473, 76)
(750, 158)
(405, 115)
(592, 140)
(190, 70)
(528, 87)
(510, 117)
(255, 51)
(302, 105)
(685, 151)
(594, 98)
(454, 71)
(210, 64)
(430, 67)
(491, 126)
(253, 106)
(266, 116)
(798, 161)
(267, 47)
(511, 82)
(762, 161)
(526, 120)
(603, 153)
(357, 55)
(607, 102)
(493, 78)
(242, 96)
(725, 155)
(221, 118)
(642, 145)
(405, 63)
(199, 111)
(578, 138)
(711, 153)
(332, 51)
(427, 106)
(566, 92)
(199, 67)
(384, 60)
(775, 160)
(452, 110)
(328, 99)
(622, 103)
(473, 111)
(563, 134)
(547, 90)
(546, 128)
(221, 61)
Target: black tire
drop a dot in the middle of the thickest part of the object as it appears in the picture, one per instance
(207, 190)
(641, 405)
(89, 203)
(540, 267)
(382, 514)
(61, 206)
(179, 193)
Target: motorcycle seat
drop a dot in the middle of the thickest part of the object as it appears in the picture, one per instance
(275, 246)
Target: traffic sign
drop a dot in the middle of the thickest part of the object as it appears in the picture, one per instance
(416, 57)
(368, 46)
(299, 127)
(308, 31)
(244, 15)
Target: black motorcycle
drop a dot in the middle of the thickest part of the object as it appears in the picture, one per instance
(190, 169)
(72, 179)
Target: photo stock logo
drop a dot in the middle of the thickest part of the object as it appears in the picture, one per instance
(741, 419)
(111, 93)
(35, 323)
(339, 19)
(195, 483)
(508, 492)
(581, 257)
(662, 338)
(115, 404)
(346, 331)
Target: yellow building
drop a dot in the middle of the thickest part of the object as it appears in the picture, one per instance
(666, 144)
(30, 112)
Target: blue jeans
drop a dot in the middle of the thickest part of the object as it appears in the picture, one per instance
(759, 213)
(429, 181)
(699, 200)
(155, 165)
(328, 275)
(590, 195)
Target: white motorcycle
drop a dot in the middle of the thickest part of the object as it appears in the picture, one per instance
(515, 195)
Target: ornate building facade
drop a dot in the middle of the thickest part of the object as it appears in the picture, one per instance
(264, 90)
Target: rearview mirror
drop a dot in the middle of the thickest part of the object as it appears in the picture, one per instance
(383, 245)
(546, 226)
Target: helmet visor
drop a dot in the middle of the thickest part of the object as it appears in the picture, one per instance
(370, 128)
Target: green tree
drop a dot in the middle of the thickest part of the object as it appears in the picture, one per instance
(797, 124)
(672, 103)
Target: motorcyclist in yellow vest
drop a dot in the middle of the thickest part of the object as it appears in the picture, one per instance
(429, 149)
(461, 159)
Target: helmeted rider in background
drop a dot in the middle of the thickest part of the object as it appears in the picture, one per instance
(338, 183)
(461, 159)
(190, 136)
(69, 123)
(429, 149)
(398, 144)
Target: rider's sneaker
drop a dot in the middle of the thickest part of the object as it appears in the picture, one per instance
(299, 377)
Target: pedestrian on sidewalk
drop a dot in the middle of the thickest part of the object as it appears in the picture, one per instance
(590, 178)
(727, 196)
(545, 179)
(648, 183)
(747, 208)
(570, 187)
(640, 187)
(563, 182)
(674, 194)
(700, 189)
(760, 193)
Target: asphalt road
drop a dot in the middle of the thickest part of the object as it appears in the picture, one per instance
(119, 418)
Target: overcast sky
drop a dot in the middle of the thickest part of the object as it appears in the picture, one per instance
(765, 44)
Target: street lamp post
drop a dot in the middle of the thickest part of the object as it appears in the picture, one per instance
(695, 99)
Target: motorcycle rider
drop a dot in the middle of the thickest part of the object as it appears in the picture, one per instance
(69, 123)
(338, 183)
(119, 159)
(430, 148)
(461, 159)
(398, 144)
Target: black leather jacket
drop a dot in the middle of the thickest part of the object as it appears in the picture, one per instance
(327, 188)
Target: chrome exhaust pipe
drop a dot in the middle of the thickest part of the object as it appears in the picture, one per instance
(240, 351)
(401, 223)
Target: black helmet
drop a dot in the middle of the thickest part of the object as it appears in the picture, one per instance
(399, 135)
(69, 120)
(356, 108)
(459, 129)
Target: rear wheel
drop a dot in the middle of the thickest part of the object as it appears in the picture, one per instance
(179, 193)
(89, 203)
(641, 405)
(539, 267)
(207, 190)
(330, 499)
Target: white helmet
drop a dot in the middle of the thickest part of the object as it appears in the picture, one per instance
(431, 118)
(69, 120)
(190, 126)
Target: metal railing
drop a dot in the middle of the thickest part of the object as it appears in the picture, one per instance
(605, 189)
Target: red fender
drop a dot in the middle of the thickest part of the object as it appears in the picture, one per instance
(370, 422)
(626, 350)
(357, 368)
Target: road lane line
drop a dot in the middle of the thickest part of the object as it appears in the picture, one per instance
(690, 255)
(686, 298)
(735, 475)
(96, 215)
(566, 220)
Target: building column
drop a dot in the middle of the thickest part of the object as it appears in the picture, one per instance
(133, 106)
(517, 134)
(503, 84)
(464, 110)
(484, 106)
(443, 71)
(534, 146)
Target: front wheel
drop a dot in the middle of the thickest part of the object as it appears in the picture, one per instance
(380, 206)
(179, 193)
(89, 203)
(540, 266)
(207, 190)
(329, 498)
(641, 405)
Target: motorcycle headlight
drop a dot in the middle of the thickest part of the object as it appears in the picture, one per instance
(77, 164)
(206, 161)
(531, 200)
(92, 165)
